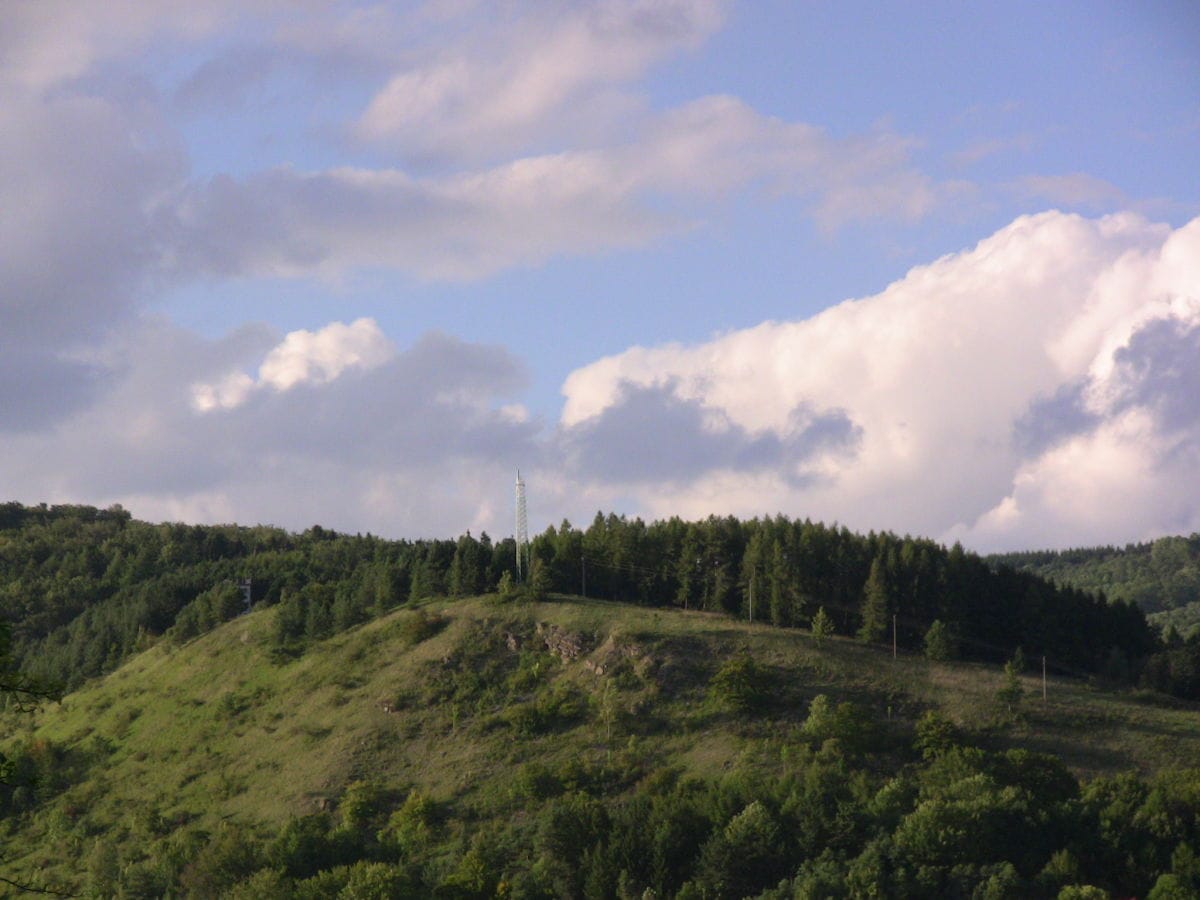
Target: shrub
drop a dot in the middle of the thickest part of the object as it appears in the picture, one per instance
(935, 734)
(940, 643)
(740, 684)
(849, 725)
(421, 626)
(1011, 692)
(822, 626)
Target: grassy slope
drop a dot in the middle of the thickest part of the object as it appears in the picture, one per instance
(216, 729)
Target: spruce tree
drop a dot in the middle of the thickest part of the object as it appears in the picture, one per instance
(939, 642)
(822, 626)
(875, 605)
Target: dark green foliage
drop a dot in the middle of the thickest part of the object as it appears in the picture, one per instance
(1011, 691)
(1175, 670)
(935, 735)
(797, 811)
(310, 844)
(940, 644)
(745, 856)
(549, 711)
(421, 626)
(876, 604)
(843, 807)
(1160, 575)
(231, 855)
(850, 725)
(740, 684)
(822, 626)
(86, 587)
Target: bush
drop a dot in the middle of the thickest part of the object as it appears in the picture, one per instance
(850, 725)
(935, 734)
(740, 684)
(421, 626)
(230, 856)
(307, 845)
(744, 857)
(551, 710)
(822, 626)
(1011, 692)
(940, 643)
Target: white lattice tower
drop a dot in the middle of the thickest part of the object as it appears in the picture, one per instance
(522, 529)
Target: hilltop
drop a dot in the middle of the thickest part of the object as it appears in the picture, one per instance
(448, 746)
(769, 708)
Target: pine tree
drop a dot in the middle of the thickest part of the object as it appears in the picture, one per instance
(875, 605)
(822, 626)
(939, 642)
(1012, 691)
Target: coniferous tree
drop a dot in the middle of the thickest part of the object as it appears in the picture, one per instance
(876, 605)
(822, 626)
(939, 642)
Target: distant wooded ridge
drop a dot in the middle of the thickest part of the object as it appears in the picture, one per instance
(1160, 576)
(84, 588)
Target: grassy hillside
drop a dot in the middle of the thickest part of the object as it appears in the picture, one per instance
(490, 711)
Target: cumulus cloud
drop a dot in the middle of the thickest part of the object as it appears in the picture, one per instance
(321, 356)
(1044, 379)
(418, 442)
(1055, 360)
(651, 435)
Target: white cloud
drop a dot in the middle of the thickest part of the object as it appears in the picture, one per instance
(321, 356)
(47, 42)
(471, 224)
(418, 442)
(1039, 388)
(302, 357)
(518, 79)
(941, 371)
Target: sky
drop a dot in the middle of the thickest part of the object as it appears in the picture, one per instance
(928, 268)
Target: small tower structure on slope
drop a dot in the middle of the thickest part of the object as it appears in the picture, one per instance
(522, 533)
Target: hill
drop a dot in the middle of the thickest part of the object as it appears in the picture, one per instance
(83, 588)
(1162, 577)
(479, 748)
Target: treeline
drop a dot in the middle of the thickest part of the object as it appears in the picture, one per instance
(84, 588)
(867, 584)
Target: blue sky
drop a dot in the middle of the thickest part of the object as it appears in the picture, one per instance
(930, 267)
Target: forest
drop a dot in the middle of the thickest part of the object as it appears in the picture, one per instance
(84, 588)
(1161, 576)
(768, 708)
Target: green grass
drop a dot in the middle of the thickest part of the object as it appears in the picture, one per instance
(220, 729)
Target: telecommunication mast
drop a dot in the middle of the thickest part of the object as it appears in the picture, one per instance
(522, 531)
